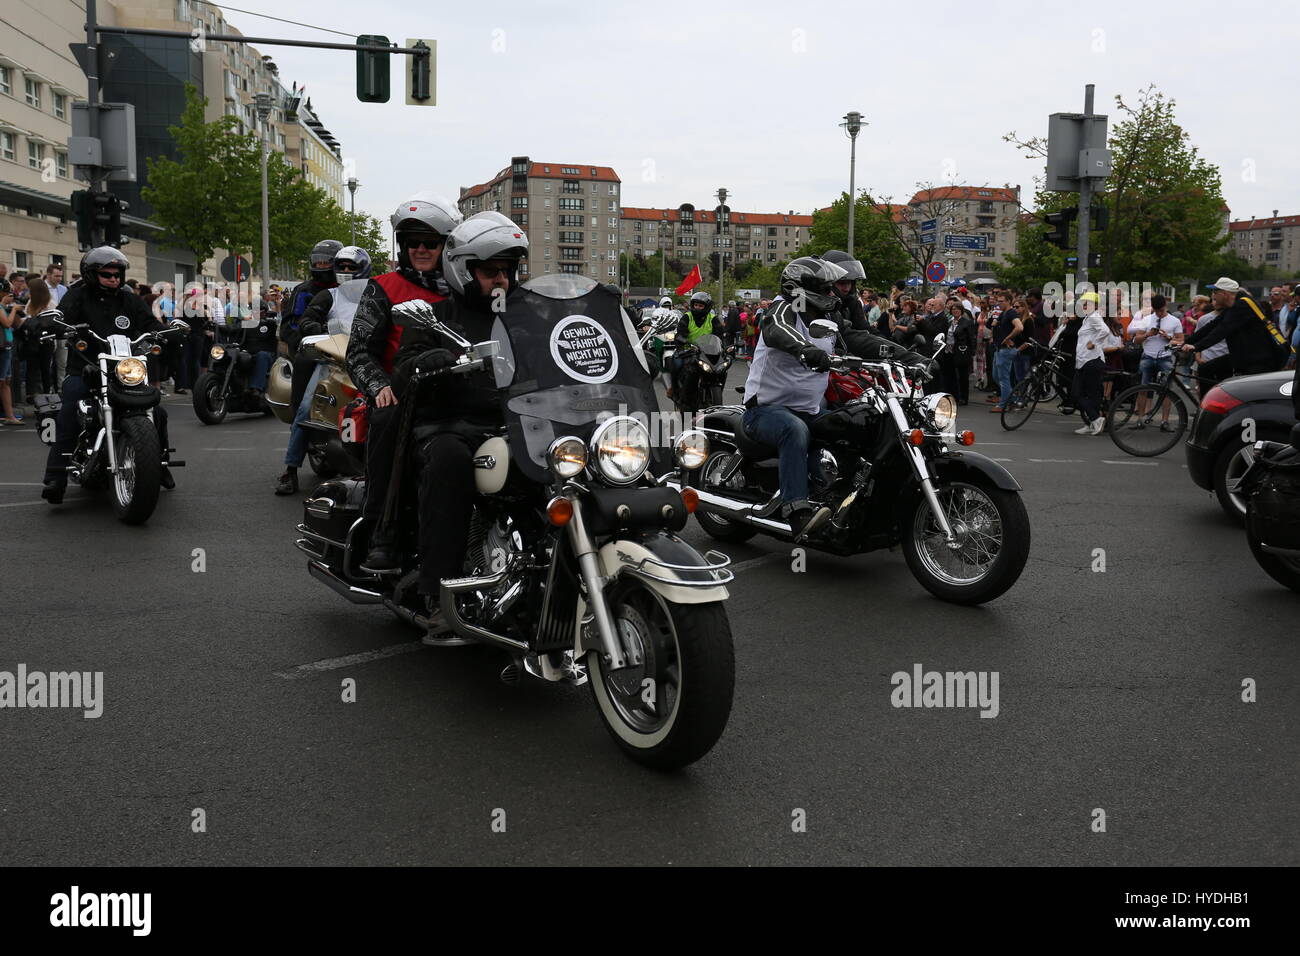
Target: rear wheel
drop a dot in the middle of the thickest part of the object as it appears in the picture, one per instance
(136, 484)
(208, 401)
(671, 708)
(1021, 403)
(319, 462)
(992, 542)
(1229, 465)
(1138, 423)
(714, 525)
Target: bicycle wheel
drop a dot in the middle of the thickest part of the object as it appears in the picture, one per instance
(1020, 404)
(1146, 420)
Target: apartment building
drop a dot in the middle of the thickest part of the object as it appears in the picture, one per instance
(570, 212)
(693, 235)
(984, 211)
(1271, 242)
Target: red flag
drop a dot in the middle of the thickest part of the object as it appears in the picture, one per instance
(690, 282)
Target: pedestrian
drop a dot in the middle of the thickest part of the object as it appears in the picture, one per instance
(1213, 364)
(1007, 333)
(979, 363)
(1158, 333)
(11, 312)
(1254, 343)
(958, 351)
(1089, 364)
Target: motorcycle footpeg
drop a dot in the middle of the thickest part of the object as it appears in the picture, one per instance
(175, 463)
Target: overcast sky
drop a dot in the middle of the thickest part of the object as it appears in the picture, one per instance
(681, 98)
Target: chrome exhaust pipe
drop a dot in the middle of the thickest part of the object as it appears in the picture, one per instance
(743, 511)
(453, 586)
(336, 584)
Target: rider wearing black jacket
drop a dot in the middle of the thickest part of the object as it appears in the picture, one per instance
(1254, 343)
(321, 263)
(102, 303)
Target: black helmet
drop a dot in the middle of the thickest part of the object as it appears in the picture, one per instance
(846, 262)
(702, 297)
(321, 260)
(807, 284)
(101, 258)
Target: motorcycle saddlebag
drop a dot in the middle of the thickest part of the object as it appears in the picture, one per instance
(334, 508)
(358, 413)
(1273, 511)
(47, 405)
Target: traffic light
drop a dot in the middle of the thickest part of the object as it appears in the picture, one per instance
(84, 215)
(1059, 235)
(420, 78)
(1100, 218)
(372, 69)
(1094, 261)
(108, 218)
(99, 219)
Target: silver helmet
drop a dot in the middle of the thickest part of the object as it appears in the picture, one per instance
(427, 212)
(486, 235)
(358, 257)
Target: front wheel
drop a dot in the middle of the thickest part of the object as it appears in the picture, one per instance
(1281, 569)
(991, 528)
(670, 709)
(209, 402)
(1021, 403)
(1146, 420)
(136, 484)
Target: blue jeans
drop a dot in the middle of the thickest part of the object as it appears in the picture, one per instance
(1022, 365)
(1003, 360)
(1149, 367)
(788, 431)
(262, 362)
(297, 450)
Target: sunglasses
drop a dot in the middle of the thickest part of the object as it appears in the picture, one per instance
(423, 242)
(110, 275)
(491, 272)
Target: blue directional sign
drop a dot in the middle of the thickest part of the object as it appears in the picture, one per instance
(929, 230)
(952, 241)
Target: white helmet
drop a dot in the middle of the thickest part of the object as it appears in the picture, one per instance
(666, 302)
(483, 236)
(428, 211)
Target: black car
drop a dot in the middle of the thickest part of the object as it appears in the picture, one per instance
(1219, 448)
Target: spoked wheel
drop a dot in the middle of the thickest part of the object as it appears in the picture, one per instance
(714, 525)
(991, 530)
(136, 484)
(208, 401)
(1139, 424)
(319, 463)
(1020, 404)
(668, 710)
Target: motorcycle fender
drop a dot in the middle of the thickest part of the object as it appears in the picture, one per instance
(955, 464)
(620, 555)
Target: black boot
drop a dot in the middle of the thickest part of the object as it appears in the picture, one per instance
(165, 477)
(383, 554)
(53, 492)
(288, 482)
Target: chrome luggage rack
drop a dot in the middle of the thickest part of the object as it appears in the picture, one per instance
(715, 567)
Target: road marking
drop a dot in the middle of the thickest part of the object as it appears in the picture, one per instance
(334, 663)
(1056, 461)
(21, 484)
(227, 449)
(1004, 459)
(23, 504)
(1107, 461)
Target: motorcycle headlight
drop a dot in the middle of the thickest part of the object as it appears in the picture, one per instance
(567, 457)
(691, 449)
(218, 353)
(942, 409)
(131, 371)
(621, 447)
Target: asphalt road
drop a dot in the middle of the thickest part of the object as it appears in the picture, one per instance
(1118, 690)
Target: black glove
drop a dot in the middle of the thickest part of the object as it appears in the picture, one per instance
(433, 359)
(815, 359)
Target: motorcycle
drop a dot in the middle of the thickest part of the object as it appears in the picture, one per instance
(223, 388)
(704, 365)
(890, 474)
(1271, 487)
(117, 445)
(329, 450)
(574, 567)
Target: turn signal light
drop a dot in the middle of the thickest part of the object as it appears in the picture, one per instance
(155, 350)
(966, 438)
(560, 511)
(81, 346)
(691, 499)
(916, 436)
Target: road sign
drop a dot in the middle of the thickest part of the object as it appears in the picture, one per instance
(953, 241)
(230, 264)
(935, 271)
(929, 231)
(913, 281)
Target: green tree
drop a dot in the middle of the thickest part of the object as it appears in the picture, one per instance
(1035, 261)
(876, 243)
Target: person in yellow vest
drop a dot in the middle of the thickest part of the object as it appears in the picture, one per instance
(696, 321)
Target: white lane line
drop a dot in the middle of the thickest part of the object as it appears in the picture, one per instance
(22, 484)
(1004, 459)
(334, 663)
(1057, 461)
(23, 504)
(227, 449)
(1130, 461)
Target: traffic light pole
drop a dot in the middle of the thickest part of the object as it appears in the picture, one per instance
(1085, 201)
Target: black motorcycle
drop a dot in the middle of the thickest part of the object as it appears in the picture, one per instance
(574, 567)
(224, 387)
(117, 445)
(1271, 487)
(702, 373)
(892, 471)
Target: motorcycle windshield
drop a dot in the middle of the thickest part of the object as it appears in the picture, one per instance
(568, 361)
(710, 345)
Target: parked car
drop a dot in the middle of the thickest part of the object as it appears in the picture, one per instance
(1219, 449)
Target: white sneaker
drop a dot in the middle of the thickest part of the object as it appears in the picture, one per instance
(1085, 430)
(1097, 427)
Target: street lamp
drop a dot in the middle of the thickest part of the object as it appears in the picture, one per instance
(722, 257)
(263, 114)
(852, 125)
(352, 188)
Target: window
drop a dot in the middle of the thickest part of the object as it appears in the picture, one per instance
(686, 240)
(771, 243)
(594, 222)
(546, 203)
(6, 146)
(60, 105)
(593, 171)
(35, 154)
(523, 268)
(571, 220)
(547, 186)
(570, 267)
(610, 255)
(548, 267)
(547, 256)
(22, 260)
(6, 81)
(33, 93)
(613, 222)
(612, 271)
(521, 202)
(571, 170)
(571, 187)
(61, 163)
(572, 204)
(547, 237)
(595, 254)
(595, 188)
(613, 205)
(519, 168)
(1272, 256)
(771, 257)
(985, 207)
(546, 169)
(612, 238)
(570, 254)
(613, 189)
(571, 237)
(523, 219)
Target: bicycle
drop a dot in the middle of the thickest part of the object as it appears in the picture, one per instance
(1046, 379)
(1137, 432)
